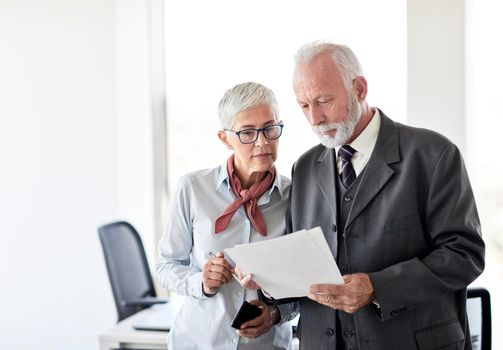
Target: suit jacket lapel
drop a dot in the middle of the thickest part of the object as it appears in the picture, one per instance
(325, 176)
(377, 171)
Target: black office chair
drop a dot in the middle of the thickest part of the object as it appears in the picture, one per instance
(128, 269)
(479, 318)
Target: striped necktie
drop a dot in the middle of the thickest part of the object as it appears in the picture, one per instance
(348, 174)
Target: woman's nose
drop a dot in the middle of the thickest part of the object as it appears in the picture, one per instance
(261, 139)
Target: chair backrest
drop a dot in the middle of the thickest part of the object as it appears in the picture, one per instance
(127, 266)
(478, 308)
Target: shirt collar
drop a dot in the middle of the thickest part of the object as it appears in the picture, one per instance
(278, 184)
(223, 176)
(364, 143)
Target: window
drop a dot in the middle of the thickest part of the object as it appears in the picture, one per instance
(484, 141)
(212, 46)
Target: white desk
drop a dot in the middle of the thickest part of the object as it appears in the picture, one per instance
(123, 335)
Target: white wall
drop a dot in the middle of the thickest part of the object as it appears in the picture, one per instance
(75, 152)
(132, 82)
(436, 67)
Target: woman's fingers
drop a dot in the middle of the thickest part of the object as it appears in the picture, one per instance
(246, 280)
(259, 325)
(216, 272)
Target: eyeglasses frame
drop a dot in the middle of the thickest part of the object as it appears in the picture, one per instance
(257, 130)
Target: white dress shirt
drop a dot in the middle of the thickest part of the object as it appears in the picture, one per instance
(205, 322)
(363, 144)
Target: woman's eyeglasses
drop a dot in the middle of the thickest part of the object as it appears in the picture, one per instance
(271, 132)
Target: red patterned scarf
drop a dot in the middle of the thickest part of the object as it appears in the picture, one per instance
(247, 197)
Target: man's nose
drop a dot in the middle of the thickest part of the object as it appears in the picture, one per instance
(315, 115)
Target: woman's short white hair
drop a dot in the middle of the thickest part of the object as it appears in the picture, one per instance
(345, 59)
(244, 96)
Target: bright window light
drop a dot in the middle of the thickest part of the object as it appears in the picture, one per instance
(214, 45)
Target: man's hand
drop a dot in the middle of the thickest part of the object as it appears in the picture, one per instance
(216, 272)
(262, 324)
(356, 292)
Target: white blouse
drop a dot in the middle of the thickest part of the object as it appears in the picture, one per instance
(203, 322)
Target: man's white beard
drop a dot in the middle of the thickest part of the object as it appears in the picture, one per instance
(344, 129)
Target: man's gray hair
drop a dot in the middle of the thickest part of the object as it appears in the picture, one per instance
(345, 59)
(244, 96)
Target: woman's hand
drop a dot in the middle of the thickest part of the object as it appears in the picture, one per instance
(216, 272)
(261, 324)
(246, 280)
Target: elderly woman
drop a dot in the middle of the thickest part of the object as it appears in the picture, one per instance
(241, 201)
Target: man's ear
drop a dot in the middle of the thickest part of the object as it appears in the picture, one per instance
(222, 135)
(360, 88)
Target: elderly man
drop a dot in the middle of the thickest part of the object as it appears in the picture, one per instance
(397, 210)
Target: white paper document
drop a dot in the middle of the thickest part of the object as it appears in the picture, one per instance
(286, 266)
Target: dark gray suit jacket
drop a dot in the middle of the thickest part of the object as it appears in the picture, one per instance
(413, 227)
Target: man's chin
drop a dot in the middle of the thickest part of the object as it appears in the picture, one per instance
(330, 141)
